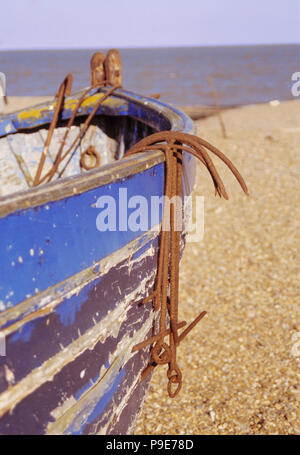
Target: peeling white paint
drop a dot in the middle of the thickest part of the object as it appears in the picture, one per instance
(82, 374)
(80, 411)
(9, 375)
(63, 407)
(109, 326)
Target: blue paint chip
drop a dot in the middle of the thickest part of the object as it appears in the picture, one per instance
(142, 250)
(69, 307)
(100, 406)
(86, 386)
(25, 333)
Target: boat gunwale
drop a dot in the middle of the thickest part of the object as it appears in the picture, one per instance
(120, 169)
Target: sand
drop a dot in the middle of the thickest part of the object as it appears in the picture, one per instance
(241, 364)
(16, 103)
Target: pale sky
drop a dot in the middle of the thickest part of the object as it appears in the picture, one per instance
(74, 24)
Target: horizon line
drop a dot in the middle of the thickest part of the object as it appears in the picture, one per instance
(14, 49)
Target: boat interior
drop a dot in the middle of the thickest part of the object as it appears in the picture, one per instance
(105, 141)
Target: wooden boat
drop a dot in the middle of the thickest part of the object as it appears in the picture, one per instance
(88, 271)
(70, 295)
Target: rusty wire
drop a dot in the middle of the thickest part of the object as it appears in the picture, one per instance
(104, 72)
(60, 155)
(165, 294)
(64, 89)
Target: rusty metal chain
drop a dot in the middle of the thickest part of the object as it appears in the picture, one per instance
(172, 144)
(64, 89)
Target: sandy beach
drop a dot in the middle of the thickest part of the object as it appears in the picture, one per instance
(241, 365)
(16, 103)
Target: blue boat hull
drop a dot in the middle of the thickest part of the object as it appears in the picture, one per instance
(70, 295)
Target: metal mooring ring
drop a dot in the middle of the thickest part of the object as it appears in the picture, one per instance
(87, 156)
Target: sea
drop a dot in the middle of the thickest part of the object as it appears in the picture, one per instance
(240, 74)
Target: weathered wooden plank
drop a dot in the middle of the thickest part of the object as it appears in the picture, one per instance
(104, 301)
(69, 393)
(124, 422)
(115, 388)
(51, 233)
(45, 302)
(74, 186)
